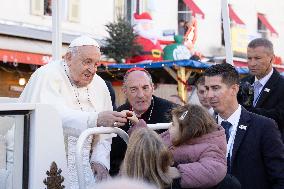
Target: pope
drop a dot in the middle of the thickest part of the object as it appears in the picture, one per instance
(82, 99)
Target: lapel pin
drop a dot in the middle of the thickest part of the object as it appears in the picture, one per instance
(243, 127)
(266, 90)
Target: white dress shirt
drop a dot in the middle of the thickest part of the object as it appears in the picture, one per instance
(234, 120)
(264, 80)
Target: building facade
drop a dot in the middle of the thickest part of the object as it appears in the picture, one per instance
(26, 28)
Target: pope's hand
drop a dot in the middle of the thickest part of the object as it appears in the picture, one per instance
(100, 172)
(111, 119)
(131, 116)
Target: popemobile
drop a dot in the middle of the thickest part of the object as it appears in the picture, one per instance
(32, 146)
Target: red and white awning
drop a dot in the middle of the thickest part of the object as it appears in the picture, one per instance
(194, 8)
(266, 23)
(233, 16)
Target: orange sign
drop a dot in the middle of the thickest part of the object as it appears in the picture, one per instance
(23, 57)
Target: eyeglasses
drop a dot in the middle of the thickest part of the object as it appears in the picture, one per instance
(90, 63)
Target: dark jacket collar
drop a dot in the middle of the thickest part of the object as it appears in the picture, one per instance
(243, 127)
(268, 87)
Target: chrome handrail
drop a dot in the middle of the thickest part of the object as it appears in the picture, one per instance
(103, 130)
(159, 126)
(79, 146)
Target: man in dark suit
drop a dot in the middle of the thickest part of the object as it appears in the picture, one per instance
(112, 93)
(268, 84)
(255, 152)
(138, 88)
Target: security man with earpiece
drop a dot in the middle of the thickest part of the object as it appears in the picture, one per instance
(267, 84)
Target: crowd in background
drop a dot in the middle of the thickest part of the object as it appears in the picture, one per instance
(233, 141)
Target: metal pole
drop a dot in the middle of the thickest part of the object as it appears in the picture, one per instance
(158, 126)
(227, 32)
(56, 29)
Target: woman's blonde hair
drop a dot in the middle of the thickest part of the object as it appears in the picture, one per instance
(147, 158)
(194, 121)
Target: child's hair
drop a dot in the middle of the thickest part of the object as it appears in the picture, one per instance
(194, 121)
(147, 158)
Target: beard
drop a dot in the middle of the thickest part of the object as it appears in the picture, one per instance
(150, 34)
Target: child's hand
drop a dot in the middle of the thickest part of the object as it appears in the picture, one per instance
(174, 172)
(131, 116)
(141, 123)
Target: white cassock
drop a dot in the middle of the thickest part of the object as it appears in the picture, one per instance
(50, 85)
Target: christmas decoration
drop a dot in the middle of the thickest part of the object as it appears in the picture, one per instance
(176, 51)
(121, 43)
(191, 35)
(146, 37)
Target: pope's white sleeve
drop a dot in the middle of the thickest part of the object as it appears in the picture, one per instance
(42, 88)
(101, 151)
(74, 122)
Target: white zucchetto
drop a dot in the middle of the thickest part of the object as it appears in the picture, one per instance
(84, 40)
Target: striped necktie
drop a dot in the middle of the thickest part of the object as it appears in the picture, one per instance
(257, 86)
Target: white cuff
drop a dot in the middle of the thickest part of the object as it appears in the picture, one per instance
(101, 152)
(92, 119)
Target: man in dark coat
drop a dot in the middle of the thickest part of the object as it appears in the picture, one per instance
(268, 84)
(138, 88)
(112, 93)
(255, 151)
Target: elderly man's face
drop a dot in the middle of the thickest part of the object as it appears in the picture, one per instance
(83, 64)
(138, 90)
(259, 61)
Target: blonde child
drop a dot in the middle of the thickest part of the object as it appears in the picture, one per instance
(198, 146)
(148, 159)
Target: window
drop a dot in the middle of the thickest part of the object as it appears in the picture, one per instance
(261, 29)
(129, 12)
(74, 10)
(184, 17)
(47, 7)
(264, 23)
(71, 9)
(119, 9)
(149, 6)
(234, 18)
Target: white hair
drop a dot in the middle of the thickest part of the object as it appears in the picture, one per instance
(73, 51)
